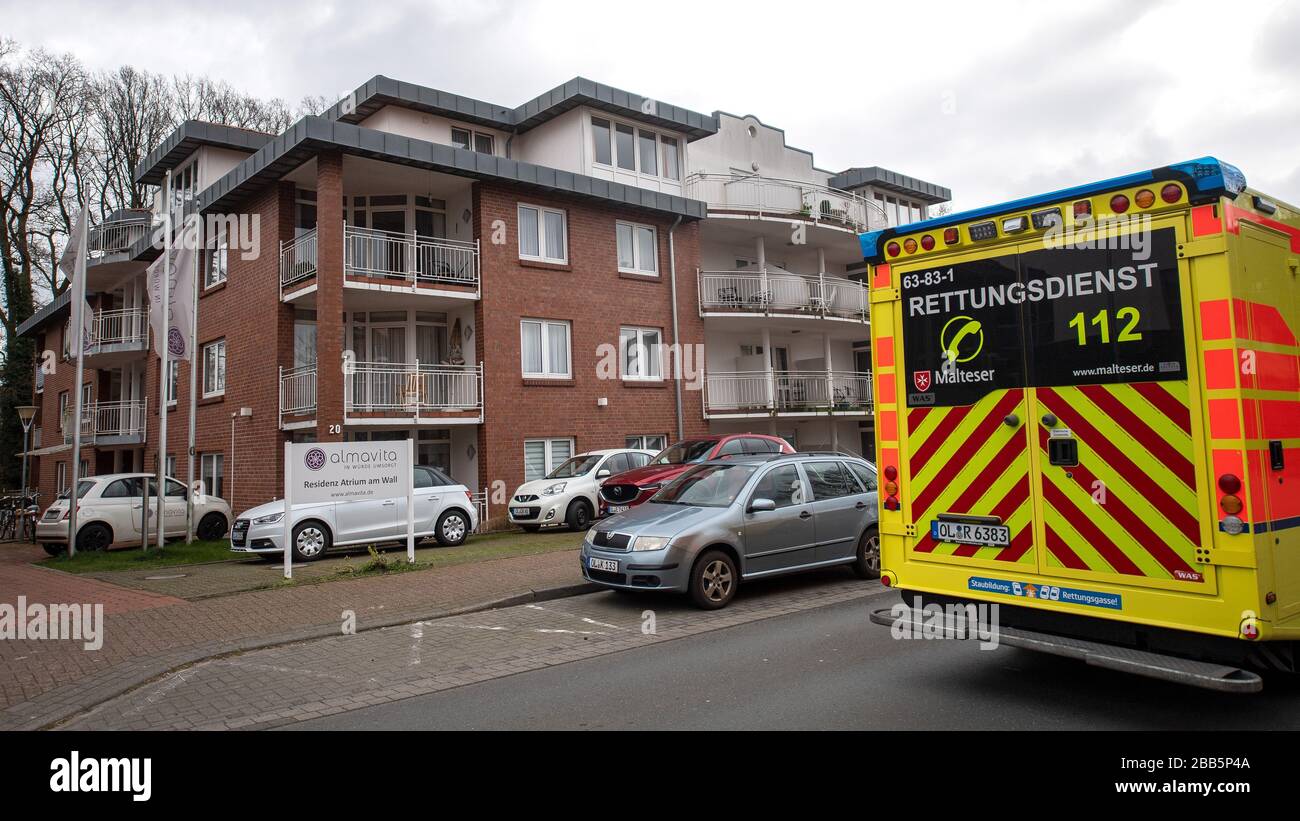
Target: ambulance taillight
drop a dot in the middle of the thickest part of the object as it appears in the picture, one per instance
(891, 488)
(1171, 193)
(1231, 486)
(1119, 203)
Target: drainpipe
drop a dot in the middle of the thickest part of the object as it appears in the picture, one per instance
(672, 279)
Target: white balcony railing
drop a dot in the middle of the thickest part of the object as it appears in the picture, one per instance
(117, 236)
(412, 389)
(100, 420)
(769, 292)
(298, 393)
(778, 392)
(769, 195)
(411, 258)
(298, 259)
(124, 326)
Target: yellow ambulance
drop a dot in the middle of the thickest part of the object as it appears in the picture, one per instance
(1088, 413)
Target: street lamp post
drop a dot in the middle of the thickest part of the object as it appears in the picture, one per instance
(26, 413)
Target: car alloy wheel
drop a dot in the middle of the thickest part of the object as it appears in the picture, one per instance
(452, 528)
(867, 563)
(309, 542)
(717, 580)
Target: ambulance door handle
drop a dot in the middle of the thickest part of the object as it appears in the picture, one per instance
(1012, 421)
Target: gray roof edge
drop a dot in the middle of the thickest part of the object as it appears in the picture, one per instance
(875, 175)
(45, 313)
(189, 136)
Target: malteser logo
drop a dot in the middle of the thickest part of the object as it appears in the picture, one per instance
(922, 380)
(127, 775)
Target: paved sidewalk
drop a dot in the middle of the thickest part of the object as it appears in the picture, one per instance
(147, 634)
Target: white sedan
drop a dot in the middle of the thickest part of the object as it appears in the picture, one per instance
(567, 496)
(111, 512)
(444, 509)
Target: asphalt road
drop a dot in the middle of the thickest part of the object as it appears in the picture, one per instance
(825, 668)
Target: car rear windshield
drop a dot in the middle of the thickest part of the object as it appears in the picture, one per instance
(83, 487)
(577, 466)
(686, 453)
(706, 486)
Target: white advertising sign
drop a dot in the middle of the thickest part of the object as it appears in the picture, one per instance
(348, 473)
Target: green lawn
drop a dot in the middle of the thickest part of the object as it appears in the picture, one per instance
(133, 558)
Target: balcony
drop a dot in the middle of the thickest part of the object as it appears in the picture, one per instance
(781, 293)
(117, 234)
(385, 393)
(745, 194)
(748, 394)
(298, 397)
(386, 261)
(118, 336)
(109, 423)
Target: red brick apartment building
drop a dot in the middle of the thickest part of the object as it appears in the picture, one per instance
(496, 283)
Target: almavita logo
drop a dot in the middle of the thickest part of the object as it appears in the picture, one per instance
(314, 459)
(175, 342)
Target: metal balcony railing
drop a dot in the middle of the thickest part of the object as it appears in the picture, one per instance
(778, 392)
(410, 258)
(412, 389)
(768, 292)
(100, 420)
(297, 393)
(770, 195)
(124, 326)
(117, 236)
(298, 259)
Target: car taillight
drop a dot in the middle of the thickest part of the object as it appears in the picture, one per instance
(1145, 198)
(469, 496)
(67, 513)
(1171, 193)
(1119, 203)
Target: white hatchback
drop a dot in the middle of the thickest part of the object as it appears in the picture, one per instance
(111, 512)
(444, 509)
(567, 496)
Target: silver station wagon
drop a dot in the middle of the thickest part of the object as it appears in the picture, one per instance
(741, 518)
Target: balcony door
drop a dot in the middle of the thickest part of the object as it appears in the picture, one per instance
(380, 348)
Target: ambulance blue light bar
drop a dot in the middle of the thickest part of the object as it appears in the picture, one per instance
(1206, 179)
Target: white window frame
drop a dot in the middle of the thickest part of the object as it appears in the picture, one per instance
(637, 129)
(218, 461)
(551, 464)
(545, 338)
(637, 268)
(218, 264)
(60, 478)
(220, 389)
(474, 137)
(639, 441)
(542, 211)
(173, 384)
(643, 355)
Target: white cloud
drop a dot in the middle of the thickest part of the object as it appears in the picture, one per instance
(993, 99)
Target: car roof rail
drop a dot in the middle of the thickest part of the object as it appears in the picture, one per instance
(838, 453)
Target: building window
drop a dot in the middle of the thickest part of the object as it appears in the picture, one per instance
(170, 470)
(600, 137)
(541, 456)
(544, 348)
(214, 368)
(174, 368)
(542, 234)
(637, 249)
(473, 140)
(640, 150)
(655, 442)
(217, 263)
(647, 151)
(64, 422)
(672, 163)
(211, 471)
(640, 349)
(624, 137)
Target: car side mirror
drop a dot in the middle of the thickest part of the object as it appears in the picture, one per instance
(762, 506)
(602, 473)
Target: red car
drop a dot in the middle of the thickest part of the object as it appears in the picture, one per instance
(632, 487)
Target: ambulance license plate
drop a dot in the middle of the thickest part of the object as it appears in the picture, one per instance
(964, 533)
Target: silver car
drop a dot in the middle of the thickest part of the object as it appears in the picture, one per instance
(741, 518)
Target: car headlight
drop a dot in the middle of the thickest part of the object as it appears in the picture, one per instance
(590, 538)
(650, 543)
(268, 520)
(558, 487)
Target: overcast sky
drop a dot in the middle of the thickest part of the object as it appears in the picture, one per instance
(994, 100)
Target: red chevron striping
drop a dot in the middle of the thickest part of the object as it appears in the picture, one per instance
(961, 459)
(1166, 403)
(915, 417)
(937, 437)
(1177, 463)
(1019, 545)
(1141, 481)
(1010, 503)
(1089, 530)
(1062, 551)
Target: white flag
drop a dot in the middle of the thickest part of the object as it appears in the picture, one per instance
(180, 293)
(73, 266)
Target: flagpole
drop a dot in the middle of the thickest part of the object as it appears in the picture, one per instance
(194, 371)
(165, 308)
(79, 348)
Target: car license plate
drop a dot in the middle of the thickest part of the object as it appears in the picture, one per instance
(519, 511)
(618, 509)
(966, 533)
(608, 565)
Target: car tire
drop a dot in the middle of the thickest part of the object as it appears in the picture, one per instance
(211, 527)
(311, 541)
(867, 563)
(578, 516)
(714, 579)
(93, 538)
(530, 528)
(54, 549)
(452, 529)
